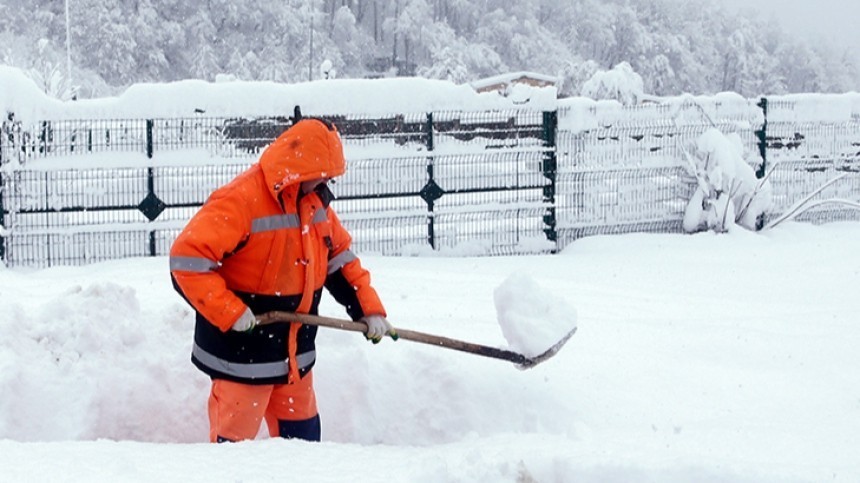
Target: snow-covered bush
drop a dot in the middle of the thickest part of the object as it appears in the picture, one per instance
(574, 75)
(621, 83)
(727, 191)
(327, 70)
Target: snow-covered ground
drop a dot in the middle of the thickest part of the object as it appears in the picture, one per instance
(697, 358)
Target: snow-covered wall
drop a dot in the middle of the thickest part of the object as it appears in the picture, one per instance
(19, 95)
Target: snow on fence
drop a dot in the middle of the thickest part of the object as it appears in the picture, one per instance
(492, 182)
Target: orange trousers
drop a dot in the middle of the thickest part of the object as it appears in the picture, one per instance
(236, 410)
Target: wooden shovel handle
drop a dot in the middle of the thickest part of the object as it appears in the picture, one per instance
(415, 336)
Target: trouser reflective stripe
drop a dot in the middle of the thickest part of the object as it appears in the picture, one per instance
(257, 370)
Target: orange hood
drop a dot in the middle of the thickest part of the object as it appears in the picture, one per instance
(307, 150)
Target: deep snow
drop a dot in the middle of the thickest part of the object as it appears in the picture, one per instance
(701, 357)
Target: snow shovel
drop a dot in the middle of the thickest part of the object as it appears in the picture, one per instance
(521, 361)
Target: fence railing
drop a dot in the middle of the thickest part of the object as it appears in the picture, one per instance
(806, 153)
(501, 182)
(414, 182)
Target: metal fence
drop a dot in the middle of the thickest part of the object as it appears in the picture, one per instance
(414, 182)
(627, 173)
(501, 182)
(805, 154)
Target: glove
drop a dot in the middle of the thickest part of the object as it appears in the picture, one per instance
(247, 321)
(377, 327)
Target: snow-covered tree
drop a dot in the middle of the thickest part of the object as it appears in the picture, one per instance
(522, 43)
(104, 40)
(50, 72)
(694, 46)
(621, 83)
(575, 74)
(351, 41)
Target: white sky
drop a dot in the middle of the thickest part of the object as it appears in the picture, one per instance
(836, 20)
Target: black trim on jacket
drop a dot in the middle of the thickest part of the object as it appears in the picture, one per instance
(345, 294)
(266, 343)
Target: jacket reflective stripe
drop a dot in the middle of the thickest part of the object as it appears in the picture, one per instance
(305, 359)
(320, 216)
(251, 371)
(274, 222)
(340, 260)
(277, 222)
(192, 264)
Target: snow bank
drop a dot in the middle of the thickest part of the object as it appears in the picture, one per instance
(90, 363)
(706, 359)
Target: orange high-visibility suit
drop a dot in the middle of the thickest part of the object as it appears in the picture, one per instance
(260, 242)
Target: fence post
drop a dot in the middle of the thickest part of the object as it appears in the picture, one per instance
(761, 134)
(431, 191)
(150, 124)
(44, 137)
(151, 206)
(2, 140)
(5, 140)
(550, 168)
(3, 230)
(2, 193)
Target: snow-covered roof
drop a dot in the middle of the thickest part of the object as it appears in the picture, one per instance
(509, 77)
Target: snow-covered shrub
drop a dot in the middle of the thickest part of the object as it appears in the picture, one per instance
(727, 191)
(327, 70)
(574, 75)
(621, 83)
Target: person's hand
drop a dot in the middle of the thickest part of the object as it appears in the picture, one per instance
(246, 322)
(377, 327)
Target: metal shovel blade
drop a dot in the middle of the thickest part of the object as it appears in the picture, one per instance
(528, 363)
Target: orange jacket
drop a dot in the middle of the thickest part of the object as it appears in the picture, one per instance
(259, 242)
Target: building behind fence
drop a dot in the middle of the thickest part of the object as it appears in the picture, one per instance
(500, 182)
